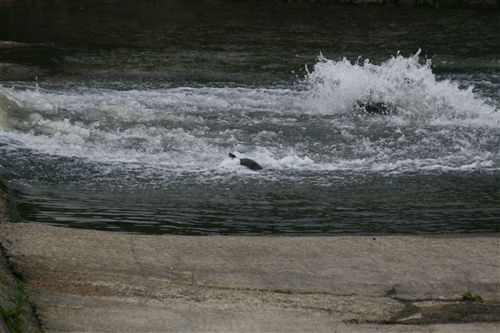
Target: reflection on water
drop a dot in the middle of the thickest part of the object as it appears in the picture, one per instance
(366, 205)
(137, 105)
(245, 42)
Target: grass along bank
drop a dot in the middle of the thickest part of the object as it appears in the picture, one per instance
(16, 311)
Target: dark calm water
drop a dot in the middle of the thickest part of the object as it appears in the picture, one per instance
(119, 115)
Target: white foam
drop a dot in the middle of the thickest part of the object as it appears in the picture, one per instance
(437, 126)
(404, 83)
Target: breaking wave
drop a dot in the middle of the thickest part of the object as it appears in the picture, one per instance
(406, 84)
(315, 125)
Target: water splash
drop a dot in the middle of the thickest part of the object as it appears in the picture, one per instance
(406, 84)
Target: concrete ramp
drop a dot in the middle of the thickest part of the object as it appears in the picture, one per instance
(95, 281)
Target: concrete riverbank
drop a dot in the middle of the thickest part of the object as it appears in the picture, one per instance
(84, 280)
(109, 282)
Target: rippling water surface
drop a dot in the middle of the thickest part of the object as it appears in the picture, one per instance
(136, 107)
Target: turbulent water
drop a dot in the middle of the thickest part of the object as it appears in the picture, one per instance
(142, 145)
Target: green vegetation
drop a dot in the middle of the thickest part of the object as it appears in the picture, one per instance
(469, 296)
(14, 316)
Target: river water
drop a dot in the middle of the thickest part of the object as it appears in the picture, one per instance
(126, 111)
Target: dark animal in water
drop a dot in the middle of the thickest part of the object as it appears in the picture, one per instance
(375, 108)
(251, 164)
